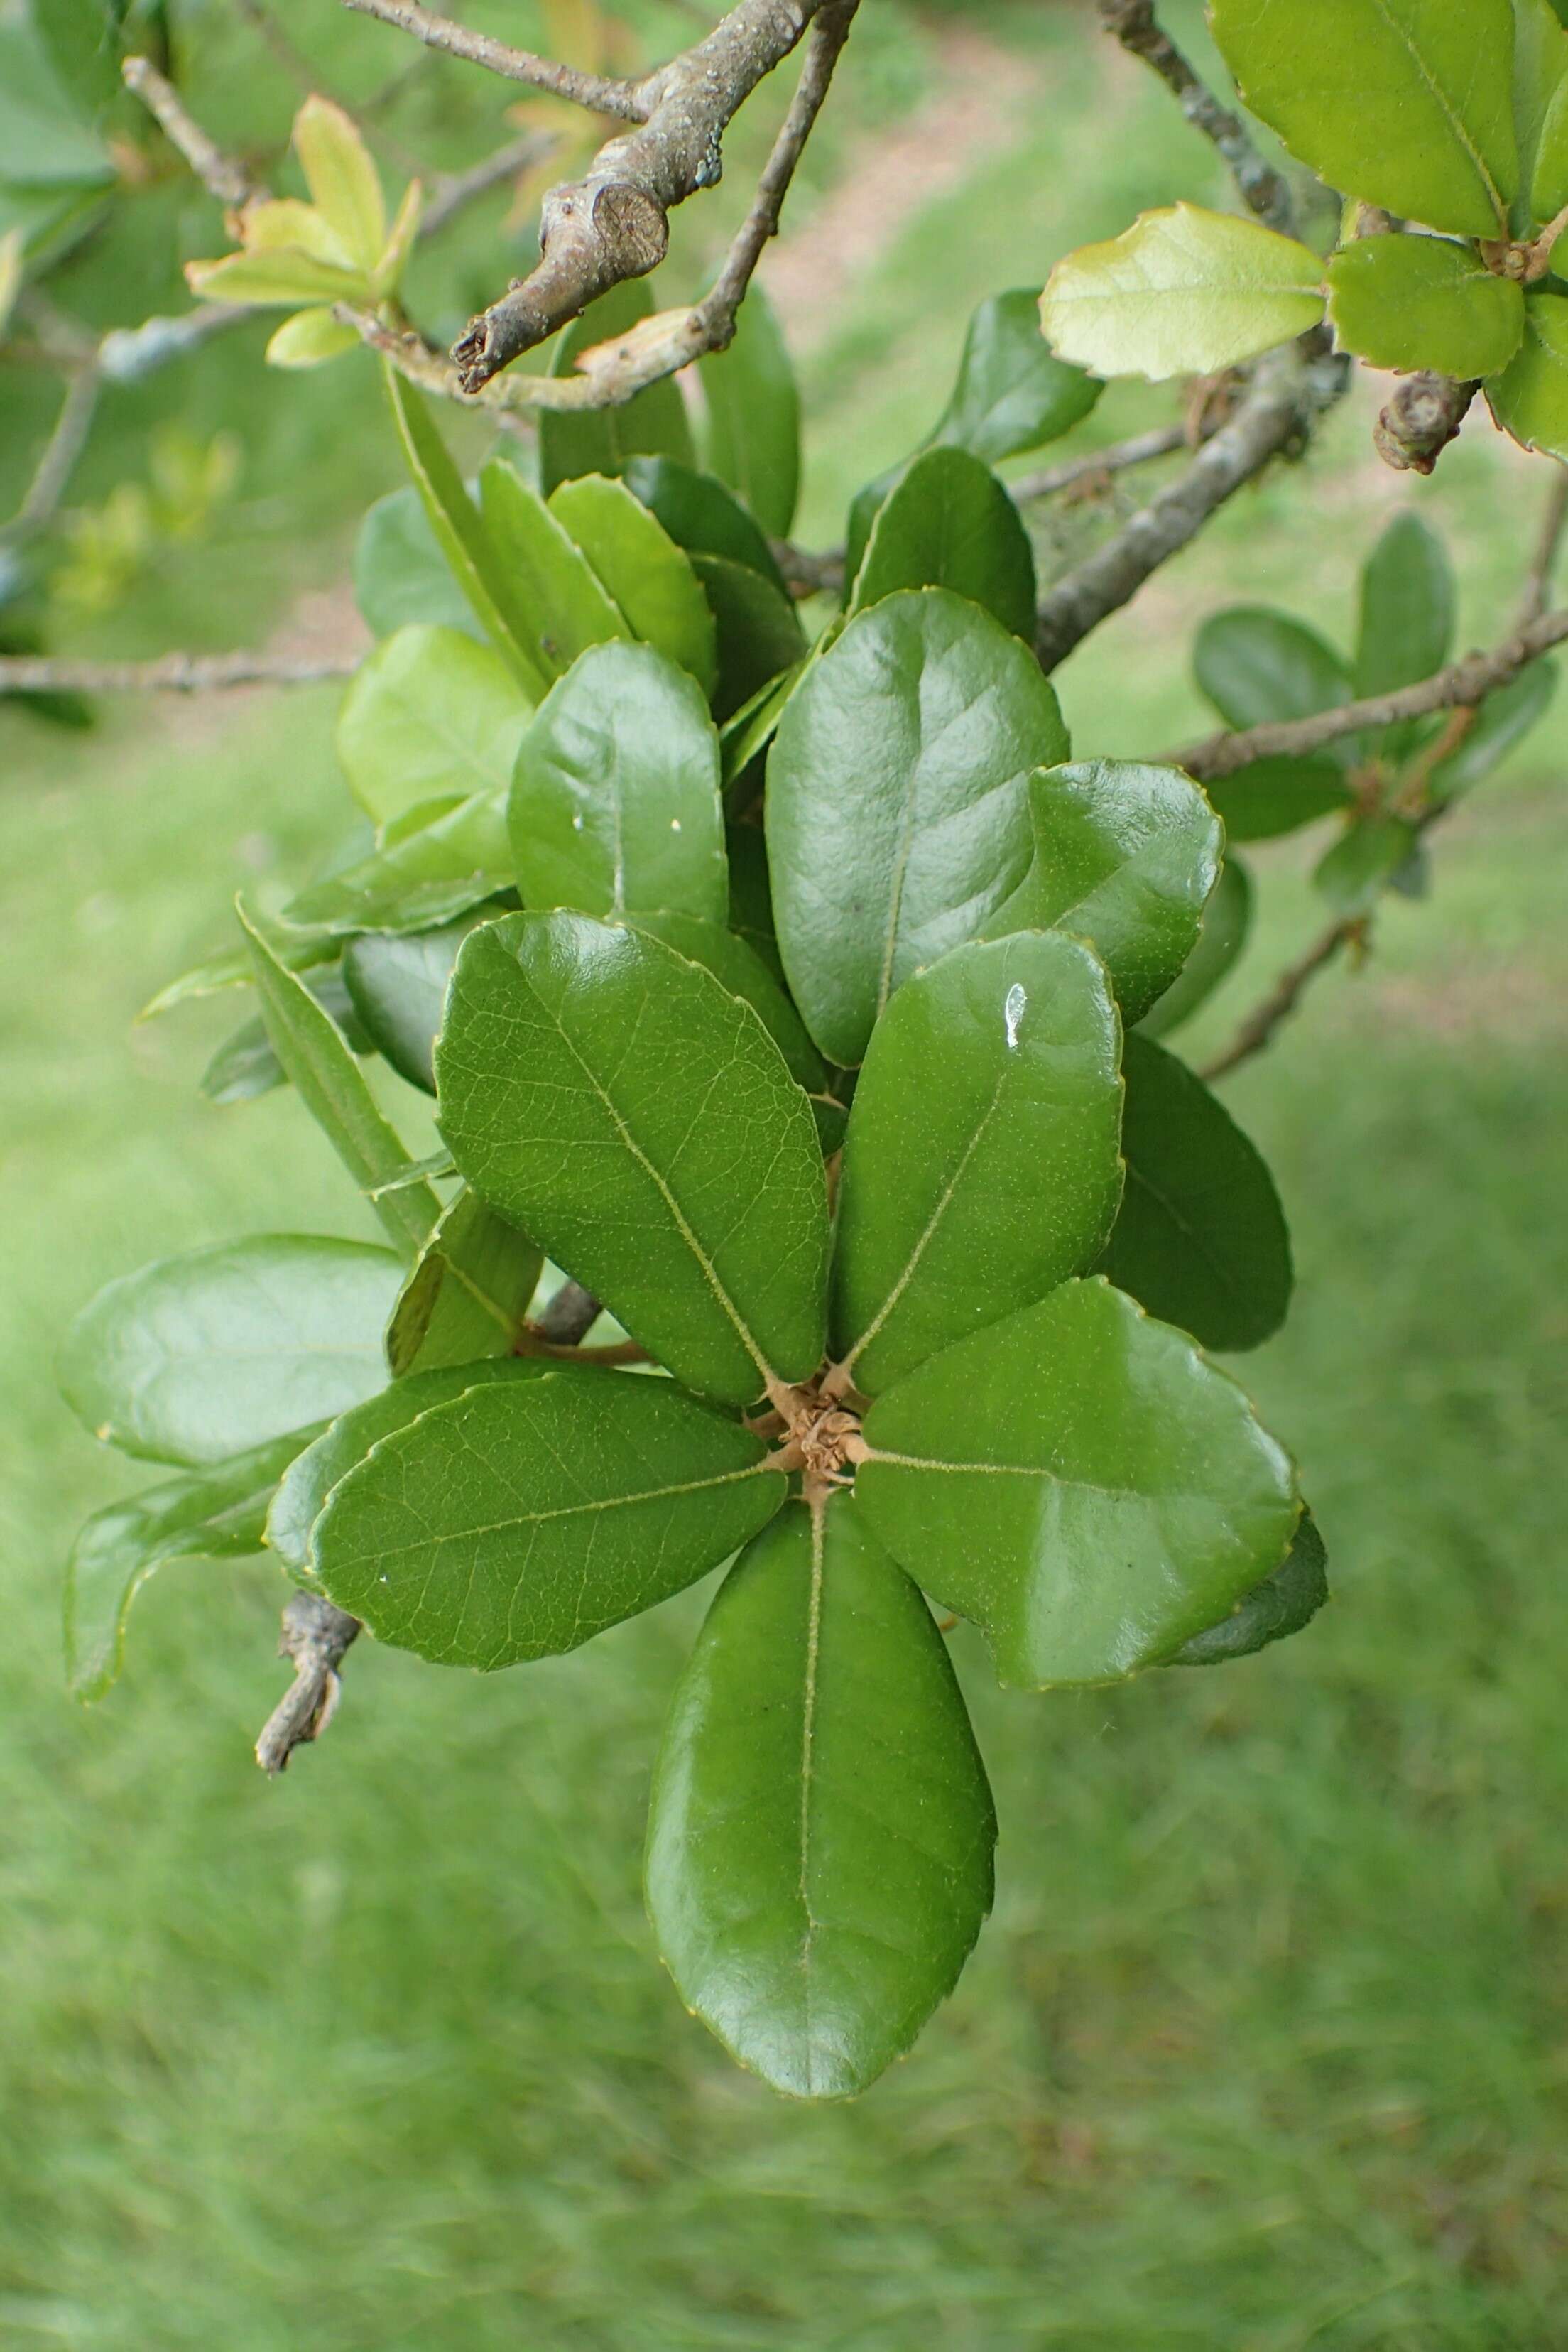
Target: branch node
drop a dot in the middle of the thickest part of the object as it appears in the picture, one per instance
(316, 1636)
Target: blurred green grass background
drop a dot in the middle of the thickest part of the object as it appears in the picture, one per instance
(1266, 2046)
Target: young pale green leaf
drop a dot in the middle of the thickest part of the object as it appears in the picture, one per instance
(552, 580)
(429, 715)
(1413, 303)
(245, 1065)
(275, 276)
(603, 440)
(1355, 871)
(703, 514)
(1081, 1483)
(472, 556)
(639, 566)
(311, 1476)
(526, 1516)
(754, 415)
(950, 524)
(435, 862)
(309, 338)
(341, 179)
(397, 986)
(196, 1358)
(981, 1165)
(617, 1103)
(1227, 919)
(1201, 1239)
(1256, 665)
(1012, 392)
(897, 805)
(746, 734)
(1182, 292)
(316, 1058)
(216, 1514)
(1125, 856)
(615, 806)
(738, 966)
(758, 631)
(401, 575)
(468, 1295)
(297, 950)
(820, 1832)
(1504, 719)
(1280, 1605)
(1402, 103)
(1530, 398)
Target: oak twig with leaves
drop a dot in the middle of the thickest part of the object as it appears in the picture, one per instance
(818, 1200)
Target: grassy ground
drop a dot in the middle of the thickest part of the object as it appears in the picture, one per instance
(1266, 2046)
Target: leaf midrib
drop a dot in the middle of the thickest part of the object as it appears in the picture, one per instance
(1447, 107)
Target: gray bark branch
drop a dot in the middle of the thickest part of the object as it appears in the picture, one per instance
(169, 673)
(316, 1636)
(600, 93)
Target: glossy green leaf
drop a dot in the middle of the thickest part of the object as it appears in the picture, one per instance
(1354, 874)
(1256, 665)
(1227, 919)
(950, 524)
(1407, 608)
(468, 1293)
(215, 1514)
(736, 964)
(648, 577)
(897, 804)
(754, 415)
(1201, 1239)
(1081, 1483)
(1401, 103)
(1412, 303)
(429, 715)
(1280, 1605)
(980, 1166)
(1012, 392)
(1530, 398)
(566, 606)
(526, 1516)
(244, 1066)
(703, 514)
(1540, 69)
(1504, 719)
(759, 632)
(460, 533)
(602, 440)
(81, 39)
(820, 1832)
(1125, 856)
(615, 806)
(617, 1103)
(1269, 797)
(311, 1476)
(401, 575)
(748, 733)
(397, 986)
(317, 1060)
(435, 862)
(195, 1358)
(1182, 292)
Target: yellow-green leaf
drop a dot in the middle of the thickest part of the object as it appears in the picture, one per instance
(1182, 292)
(341, 179)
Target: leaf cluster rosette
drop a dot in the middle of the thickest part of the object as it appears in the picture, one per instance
(1453, 123)
(798, 1003)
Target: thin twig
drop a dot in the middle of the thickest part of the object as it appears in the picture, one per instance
(1419, 419)
(1283, 999)
(316, 1636)
(613, 223)
(600, 93)
(1163, 441)
(1461, 686)
(219, 173)
(1133, 22)
(1290, 389)
(306, 77)
(169, 673)
(61, 450)
(1538, 579)
(568, 1319)
(456, 189)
